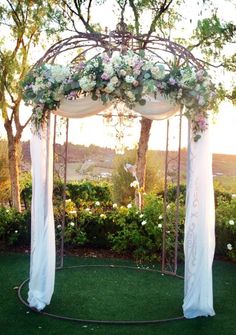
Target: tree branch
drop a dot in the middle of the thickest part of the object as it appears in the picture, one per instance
(88, 10)
(14, 11)
(136, 16)
(80, 15)
(164, 7)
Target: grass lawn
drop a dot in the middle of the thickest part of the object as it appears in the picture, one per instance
(112, 293)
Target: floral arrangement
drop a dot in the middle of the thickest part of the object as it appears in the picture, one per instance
(125, 77)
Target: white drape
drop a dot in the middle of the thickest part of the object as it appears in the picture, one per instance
(199, 242)
(155, 108)
(42, 261)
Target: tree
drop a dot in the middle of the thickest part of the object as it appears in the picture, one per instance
(4, 173)
(24, 25)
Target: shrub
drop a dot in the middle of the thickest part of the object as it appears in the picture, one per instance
(14, 227)
(226, 228)
(140, 233)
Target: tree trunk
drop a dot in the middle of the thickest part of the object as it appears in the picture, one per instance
(142, 155)
(13, 156)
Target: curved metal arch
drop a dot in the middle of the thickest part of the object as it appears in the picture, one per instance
(121, 41)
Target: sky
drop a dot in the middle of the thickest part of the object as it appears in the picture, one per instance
(93, 131)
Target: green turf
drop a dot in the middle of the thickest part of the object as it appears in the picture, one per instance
(112, 293)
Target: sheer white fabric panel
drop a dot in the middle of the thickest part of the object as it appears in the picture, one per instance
(83, 107)
(42, 262)
(199, 242)
(155, 109)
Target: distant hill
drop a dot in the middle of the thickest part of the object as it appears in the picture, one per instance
(93, 161)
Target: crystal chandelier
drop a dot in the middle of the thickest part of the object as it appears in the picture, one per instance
(119, 117)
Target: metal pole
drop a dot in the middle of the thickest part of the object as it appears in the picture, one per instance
(177, 196)
(64, 198)
(54, 143)
(165, 201)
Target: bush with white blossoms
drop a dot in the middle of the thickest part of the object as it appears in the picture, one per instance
(126, 77)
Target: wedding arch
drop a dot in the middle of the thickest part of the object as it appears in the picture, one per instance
(155, 77)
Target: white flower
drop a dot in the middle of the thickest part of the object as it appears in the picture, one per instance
(87, 84)
(159, 225)
(130, 95)
(102, 216)
(97, 203)
(114, 205)
(110, 88)
(16, 231)
(68, 200)
(7, 210)
(129, 79)
(134, 184)
(72, 212)
(229, 246)
(108, 69)
(122, 72)
(38, 85)
(59, 73)
(87, 209)
(231, 222)
(114, 80)
(141, 216)
(143, 223)
(158, 72)
(58, 226)
(72, 224)
(115, 58)
(160, 217)
(129, 206)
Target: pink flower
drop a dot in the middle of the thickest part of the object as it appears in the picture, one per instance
(105, 76)
(105, 58)
(172, 81)
(135, 83)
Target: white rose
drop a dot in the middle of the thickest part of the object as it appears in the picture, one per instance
(123, 73)
(110, 88)
(129, 79)
(114, 80)
(229, 246)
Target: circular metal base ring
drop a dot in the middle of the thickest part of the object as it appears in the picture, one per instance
(88, 321)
